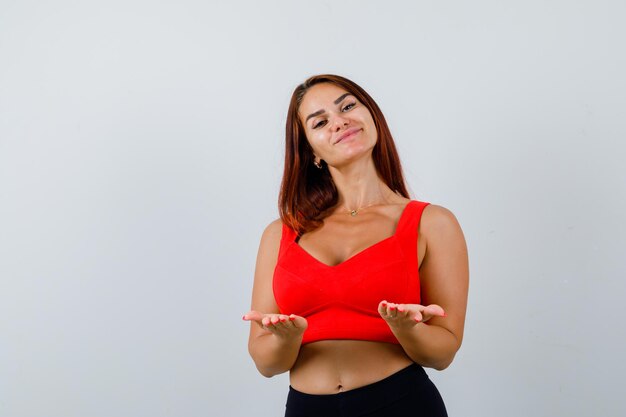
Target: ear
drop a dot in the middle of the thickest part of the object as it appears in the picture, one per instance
(317, 162)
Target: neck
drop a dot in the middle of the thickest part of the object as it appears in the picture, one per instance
(358, 185)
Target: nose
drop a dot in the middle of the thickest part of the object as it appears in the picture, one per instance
(340, 122)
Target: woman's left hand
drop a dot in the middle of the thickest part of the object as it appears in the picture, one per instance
(405, 316)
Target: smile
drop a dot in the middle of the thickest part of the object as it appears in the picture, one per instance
(348, 134)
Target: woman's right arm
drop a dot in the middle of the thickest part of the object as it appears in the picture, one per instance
(275, 338)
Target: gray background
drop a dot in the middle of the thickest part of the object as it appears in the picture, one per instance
(141, 149)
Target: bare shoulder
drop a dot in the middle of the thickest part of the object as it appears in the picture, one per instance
(274, 228)
(438, 216)
(270, 239)
(439, 223)
(262, 293)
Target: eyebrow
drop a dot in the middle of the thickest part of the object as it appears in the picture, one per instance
(317, 113)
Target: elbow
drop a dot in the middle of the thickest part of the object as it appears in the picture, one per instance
(264, 368)
(268, 371)
(441, 365)
(265, 372)
(267, 362)
(437, 362)
(446, 361)
(443, 359)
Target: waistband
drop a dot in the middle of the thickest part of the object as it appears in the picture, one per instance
(366, 398)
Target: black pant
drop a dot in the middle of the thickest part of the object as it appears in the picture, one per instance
(407, 391)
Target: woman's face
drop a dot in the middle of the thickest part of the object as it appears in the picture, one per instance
(338, 127)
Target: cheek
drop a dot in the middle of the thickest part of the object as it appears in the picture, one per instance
(313, 143)
(316, 139)
(372, 128)
(366, 118)
(370, 121)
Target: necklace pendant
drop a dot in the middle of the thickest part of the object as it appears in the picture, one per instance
(354, 213)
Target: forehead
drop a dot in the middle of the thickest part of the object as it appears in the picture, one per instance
(320, 97)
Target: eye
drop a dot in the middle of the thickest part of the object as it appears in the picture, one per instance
(319, 124)
(348, 107)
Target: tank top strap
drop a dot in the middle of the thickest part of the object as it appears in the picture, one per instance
(287, 238)
(407, 231)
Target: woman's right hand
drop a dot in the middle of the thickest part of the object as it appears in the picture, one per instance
(281, 325)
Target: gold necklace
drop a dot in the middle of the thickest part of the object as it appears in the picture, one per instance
(356, 211)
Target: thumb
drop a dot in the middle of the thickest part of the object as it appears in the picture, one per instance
(433, 310)
(253, 315)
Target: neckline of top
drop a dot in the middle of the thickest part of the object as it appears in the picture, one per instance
(401, 221)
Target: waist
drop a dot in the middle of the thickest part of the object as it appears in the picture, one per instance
(334, 366)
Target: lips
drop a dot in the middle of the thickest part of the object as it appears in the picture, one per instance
(347, 134)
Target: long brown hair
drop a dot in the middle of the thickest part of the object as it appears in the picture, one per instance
(307, 192)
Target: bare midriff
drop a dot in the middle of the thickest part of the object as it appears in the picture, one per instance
(333, 366)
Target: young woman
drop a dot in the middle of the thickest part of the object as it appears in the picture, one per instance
(357, 287)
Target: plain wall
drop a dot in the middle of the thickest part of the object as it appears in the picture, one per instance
(141, 147)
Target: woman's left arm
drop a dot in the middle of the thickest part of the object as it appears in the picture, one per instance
(429, 336)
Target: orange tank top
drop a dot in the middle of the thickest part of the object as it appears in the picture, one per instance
(341, 301)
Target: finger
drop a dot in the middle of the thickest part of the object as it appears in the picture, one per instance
(277, 326)
(287, 324)
(273, 323)
(298, 321)
(256, 317)
(435, 310)
(382, 308)
(385, 309)
(432, 310)
(402, 311)
(252, 315)
(417, 316)
(392, 310)
(283, 323)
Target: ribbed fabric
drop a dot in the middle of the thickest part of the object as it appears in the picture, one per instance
(341, 301)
